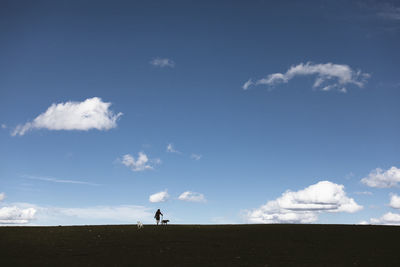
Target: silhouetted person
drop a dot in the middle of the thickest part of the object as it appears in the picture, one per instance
(157, 216)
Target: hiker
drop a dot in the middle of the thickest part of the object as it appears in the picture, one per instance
(157, 216)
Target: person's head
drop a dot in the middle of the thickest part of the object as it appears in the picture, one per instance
(158, 210)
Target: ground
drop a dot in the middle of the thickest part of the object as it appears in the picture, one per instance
(201, 245)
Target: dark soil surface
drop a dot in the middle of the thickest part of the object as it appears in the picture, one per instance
(201, 245)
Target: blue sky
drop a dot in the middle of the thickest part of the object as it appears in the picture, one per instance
(227, 112)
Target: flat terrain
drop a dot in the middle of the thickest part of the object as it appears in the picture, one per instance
(205, 245)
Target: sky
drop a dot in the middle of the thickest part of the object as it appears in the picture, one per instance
(215, 112)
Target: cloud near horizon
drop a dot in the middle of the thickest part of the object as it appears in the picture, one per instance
(15, 215)
(389, 218)
(53, 215)
(382, 179)
(92, 113)
(329, 76)
(303, 206)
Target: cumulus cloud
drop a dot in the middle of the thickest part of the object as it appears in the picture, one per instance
(395, 201)
(15, 215)
(304, 205)
(159, 197)
(142, 163)
(192, 197)
(171, 149)
(389, 218)
(329, 76)
(162, 62)
(382, 179)
(92, 113)
(195, 156)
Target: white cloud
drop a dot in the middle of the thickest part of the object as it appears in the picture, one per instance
(14, 214)
(387, 219)
(192, 197)
(3, 126)
(304, 205)
(382, 179)
(247, 84)
(395, 201)
(171, 149)
(159, 197)
(128, 213)
(142, 163)
(57, 180)
(390, 12)
(162, 62)
(52, 215)
(329, 76)
(25, 213)
(363, 193)
(92, 113)
(196, 156)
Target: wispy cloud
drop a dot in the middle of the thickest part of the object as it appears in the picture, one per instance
(92, 113)
(247, 84)
(192, 197)
(57, 180)
(382, 179)
(142, 163)
(195, 156)
(159, 197)
(363, 193)
(329, 76)
(303, 206)
(162, 62)
(3, 126)
(389, 12)
(171, 149)
(53, 215)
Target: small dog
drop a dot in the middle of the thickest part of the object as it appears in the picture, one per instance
(164, 222)
(139, 225)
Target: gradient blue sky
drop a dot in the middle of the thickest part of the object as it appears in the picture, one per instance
(236, 148)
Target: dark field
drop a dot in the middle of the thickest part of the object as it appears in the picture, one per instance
(205, 245)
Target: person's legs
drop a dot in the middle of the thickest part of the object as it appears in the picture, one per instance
(158, 221)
